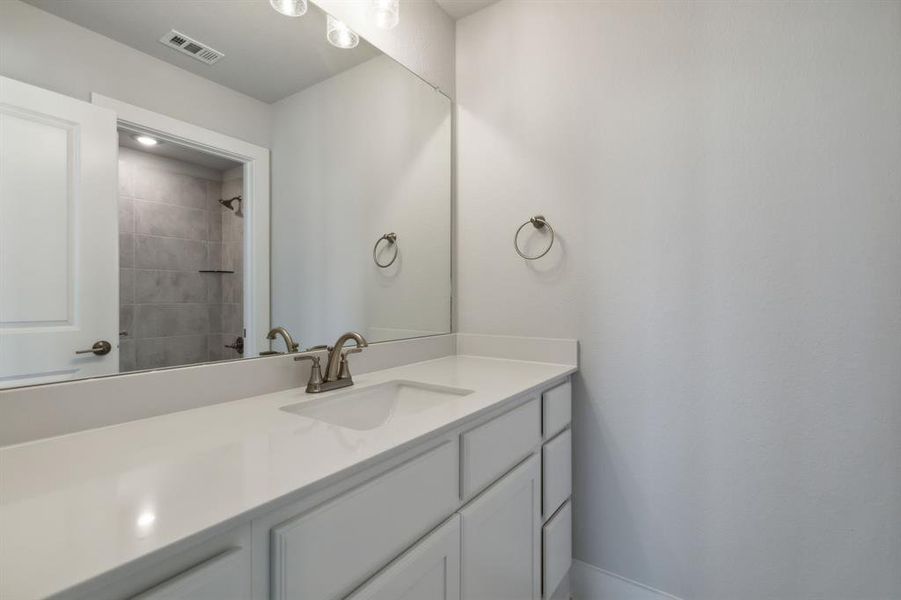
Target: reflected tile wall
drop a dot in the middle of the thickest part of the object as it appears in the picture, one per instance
(231, 255)
(171, 227)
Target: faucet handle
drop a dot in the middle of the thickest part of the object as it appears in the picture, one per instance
(344, 368)
(315, 381)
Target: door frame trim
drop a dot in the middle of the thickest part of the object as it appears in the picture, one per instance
(256, 207)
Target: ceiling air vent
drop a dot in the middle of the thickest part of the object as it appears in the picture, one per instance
(191, 47)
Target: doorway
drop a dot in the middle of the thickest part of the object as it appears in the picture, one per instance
(181, 250)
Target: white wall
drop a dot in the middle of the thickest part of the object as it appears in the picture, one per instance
(423, 41)
(724, 179)
(361, 154)
(44, 50)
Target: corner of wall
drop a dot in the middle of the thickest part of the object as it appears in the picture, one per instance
(423, 41)
(593, 583)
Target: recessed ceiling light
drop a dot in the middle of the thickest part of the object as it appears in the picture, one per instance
(290, 8)
(340, 35)
(386, 12)
(146, 140)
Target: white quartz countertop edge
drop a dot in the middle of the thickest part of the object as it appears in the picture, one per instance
(75, 507)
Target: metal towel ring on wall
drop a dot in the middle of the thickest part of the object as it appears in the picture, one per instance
(391, 238)
(539, 222)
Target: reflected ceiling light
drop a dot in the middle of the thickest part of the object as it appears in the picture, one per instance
(339, 34)
(386, 13)
(145, 519)
(146, 140)
(290, 8)
(144, 523)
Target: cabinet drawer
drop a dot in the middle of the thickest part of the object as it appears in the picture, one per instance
(494, 448)
(327, 552)
(556, 409)
(556, 549)
(556, 472)
(222, 576)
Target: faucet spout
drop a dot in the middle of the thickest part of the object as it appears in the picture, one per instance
(290, 344)
(337, 353)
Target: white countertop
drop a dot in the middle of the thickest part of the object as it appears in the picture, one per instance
(76, 506)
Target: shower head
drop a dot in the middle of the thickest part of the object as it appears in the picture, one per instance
(229, 204)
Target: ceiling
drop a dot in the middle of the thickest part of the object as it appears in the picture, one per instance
(267, 55)
(460, 8)
(170, 150)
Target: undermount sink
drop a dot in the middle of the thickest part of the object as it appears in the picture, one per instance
(370, 407)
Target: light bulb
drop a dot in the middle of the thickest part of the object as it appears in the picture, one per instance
(146, 140)
(339, 34)
(386, 13)
(290, 8)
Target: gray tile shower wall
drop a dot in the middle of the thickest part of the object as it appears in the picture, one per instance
(171, 227)
(230, 317)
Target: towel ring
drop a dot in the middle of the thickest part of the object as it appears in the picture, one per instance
(539, 222)
(391, 238)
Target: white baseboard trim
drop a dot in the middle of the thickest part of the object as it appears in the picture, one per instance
(593, 583)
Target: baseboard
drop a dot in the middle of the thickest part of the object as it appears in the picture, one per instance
(593, 583)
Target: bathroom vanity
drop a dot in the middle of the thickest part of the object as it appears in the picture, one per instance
(449, 478)
(165, 218)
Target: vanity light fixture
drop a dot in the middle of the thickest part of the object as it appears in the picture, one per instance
(146, 140)
(290, 8)
(339, 34)
(386, 13)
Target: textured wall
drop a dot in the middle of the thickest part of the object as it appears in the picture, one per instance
(724, 178)
(171, 226)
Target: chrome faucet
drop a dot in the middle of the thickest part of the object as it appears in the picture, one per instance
(337, 371)
(290, 344)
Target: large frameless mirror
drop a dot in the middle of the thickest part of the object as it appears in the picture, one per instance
(179, 179)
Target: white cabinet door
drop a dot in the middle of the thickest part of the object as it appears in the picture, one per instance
(59, 249)
(501, 538)
(428, 571)
(325, 553)
(224, 577)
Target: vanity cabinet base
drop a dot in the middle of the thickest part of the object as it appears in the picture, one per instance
(480, 512)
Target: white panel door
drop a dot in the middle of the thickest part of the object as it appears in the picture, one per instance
(428, 571)
(59, 256)
(501, 538)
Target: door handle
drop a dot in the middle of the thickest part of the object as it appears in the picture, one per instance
(237, 346)
(99, 348)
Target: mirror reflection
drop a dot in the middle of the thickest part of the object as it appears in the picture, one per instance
(176, 189)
